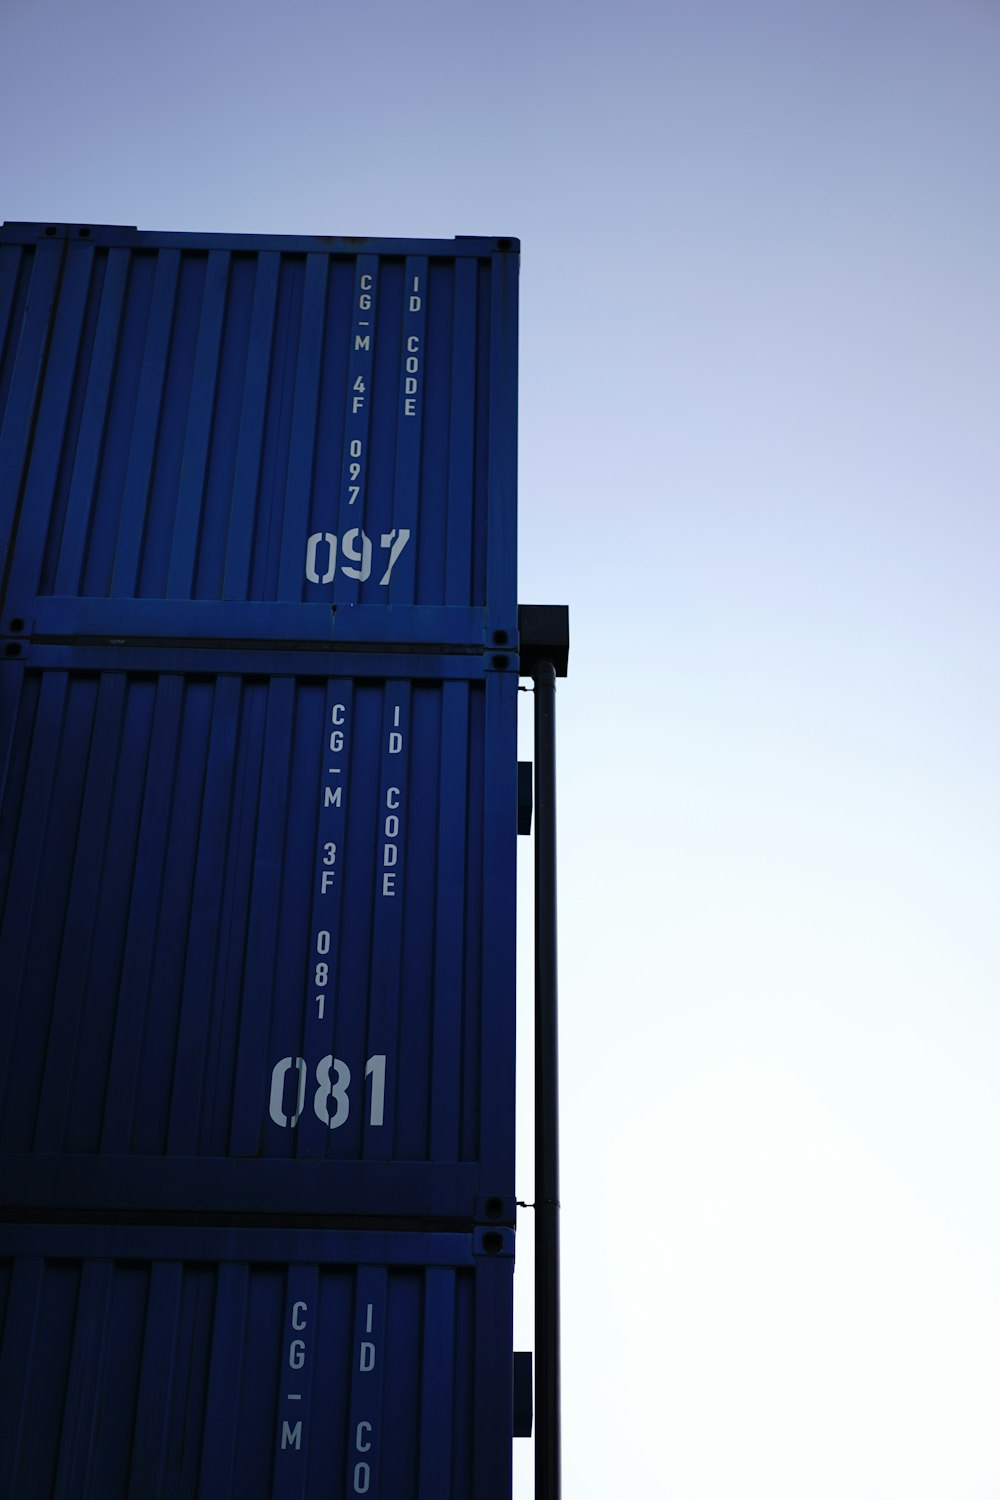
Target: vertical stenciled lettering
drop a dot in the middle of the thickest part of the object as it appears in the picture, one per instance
(392, 803)
(296, 1360)
(362, 1457)
(359, 386)
(412, 345)
(347, 551)
(331, 823)
(321, 1084)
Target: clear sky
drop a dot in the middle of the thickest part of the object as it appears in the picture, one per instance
(760, 454)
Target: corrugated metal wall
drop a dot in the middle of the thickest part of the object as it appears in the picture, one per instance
(258, 677)
(273, 420)
(200, 1364)
(258, 917)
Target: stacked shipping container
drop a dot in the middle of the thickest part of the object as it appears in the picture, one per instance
(257, 823)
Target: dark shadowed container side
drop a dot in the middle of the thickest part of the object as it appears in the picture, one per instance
(257, 419)
(205, 1364)
(256, 933)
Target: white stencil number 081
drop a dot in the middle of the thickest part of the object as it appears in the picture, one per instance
(331, 1101)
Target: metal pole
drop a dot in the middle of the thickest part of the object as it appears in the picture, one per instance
(548, 1458)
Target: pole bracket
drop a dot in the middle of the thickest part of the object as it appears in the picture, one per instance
(543, 632)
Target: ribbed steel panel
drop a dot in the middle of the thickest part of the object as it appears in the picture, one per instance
(206, 1364)
(258, 627)
(264, 419)
(256, 933)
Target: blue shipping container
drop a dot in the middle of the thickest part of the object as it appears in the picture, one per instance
(257, 741)
(210, 1364)
(257, 932)
(258, 686)
(234, 418)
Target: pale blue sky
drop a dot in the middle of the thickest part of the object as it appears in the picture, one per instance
(760, 454)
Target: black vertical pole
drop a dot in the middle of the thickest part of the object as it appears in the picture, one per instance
(548, 1460)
